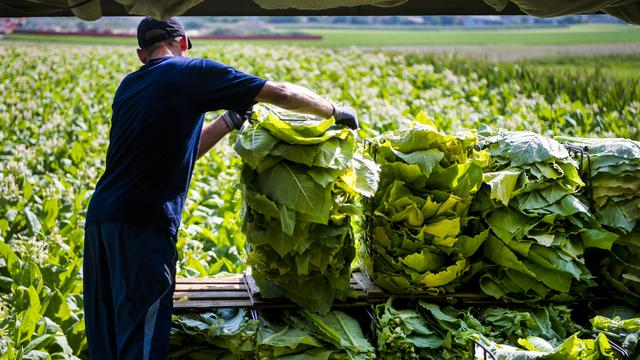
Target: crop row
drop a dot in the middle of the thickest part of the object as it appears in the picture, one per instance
(54, 116)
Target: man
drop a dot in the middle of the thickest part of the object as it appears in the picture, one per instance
(156, 136)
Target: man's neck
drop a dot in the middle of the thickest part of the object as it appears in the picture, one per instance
(160, 53)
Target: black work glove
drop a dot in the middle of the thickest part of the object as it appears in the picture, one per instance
(234, 120)
(346, 116)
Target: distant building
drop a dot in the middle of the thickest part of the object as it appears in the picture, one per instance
(8, 25)
(482, 21)
(416, 20)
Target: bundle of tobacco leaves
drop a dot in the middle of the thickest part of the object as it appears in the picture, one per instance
(301, 180)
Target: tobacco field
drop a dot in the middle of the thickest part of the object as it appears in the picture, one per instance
(55, 107)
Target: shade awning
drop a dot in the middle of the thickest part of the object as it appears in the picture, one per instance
(19, 8)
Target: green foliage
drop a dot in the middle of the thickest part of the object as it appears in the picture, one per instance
(54, 141)
(623, 328)
(224, 334)
(429, 331)
(230, 334)
(422, 237)
(502, 40)
(613, 167)
(45, 309)
(540, 224)
(300, 191)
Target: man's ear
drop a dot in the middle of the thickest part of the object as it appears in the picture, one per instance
(141, 56)
(184, 43)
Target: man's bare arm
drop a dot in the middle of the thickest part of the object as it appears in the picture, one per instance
(295, 98)
(211, 134)
(285, 95)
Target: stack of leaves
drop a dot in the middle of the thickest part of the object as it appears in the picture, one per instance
(614, 168)
(307, 335)
(224, 334)
(425, 332)
(422, 237)
(429, 331)
(540, 332)
(539, 224)
(301, 179)
(552, 323)
(574, 348)
(231, 334)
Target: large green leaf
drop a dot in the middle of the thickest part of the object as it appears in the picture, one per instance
(508, 224)
(528, 148)
(363, 177)
(51, 209)
(496, 251)
(303, 128)
(290, 186)
(287, 219)
(419, 137)
(11, 259)
(304, 132)
(426, 160)
(615, 216)
(502, 184)
(261, 203)
(342, 330)
(443, 228)
(402, 172)
(29, 317)
(335, 154)
(423, 261)
(303, 154)
(445, 276)
(254, 144)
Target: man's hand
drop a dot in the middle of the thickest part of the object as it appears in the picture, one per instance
(346, 116)
(215, 131)
(233, 120)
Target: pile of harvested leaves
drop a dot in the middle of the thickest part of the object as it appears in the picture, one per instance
(540, 224)
(423, 238)
(613, 168)
(301, 180)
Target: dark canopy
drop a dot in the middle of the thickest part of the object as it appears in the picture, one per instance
(627, 10)
(18, 8)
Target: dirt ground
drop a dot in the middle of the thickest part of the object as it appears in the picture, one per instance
(519, 52)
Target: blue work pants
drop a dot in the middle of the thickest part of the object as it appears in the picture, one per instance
(129, 280)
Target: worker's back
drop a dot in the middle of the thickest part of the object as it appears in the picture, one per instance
(158, 113)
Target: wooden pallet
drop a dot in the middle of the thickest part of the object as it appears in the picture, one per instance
(241, 291)
(210, 293)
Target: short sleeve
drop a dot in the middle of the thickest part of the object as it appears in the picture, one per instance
(215, 86)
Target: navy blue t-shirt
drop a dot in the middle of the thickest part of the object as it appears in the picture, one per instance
(158, 113)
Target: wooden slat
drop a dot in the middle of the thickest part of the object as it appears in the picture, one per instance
(209, 305)
(229, 280)
(212, 295)
(212, 287)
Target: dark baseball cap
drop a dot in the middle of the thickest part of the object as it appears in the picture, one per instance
(171, 27)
